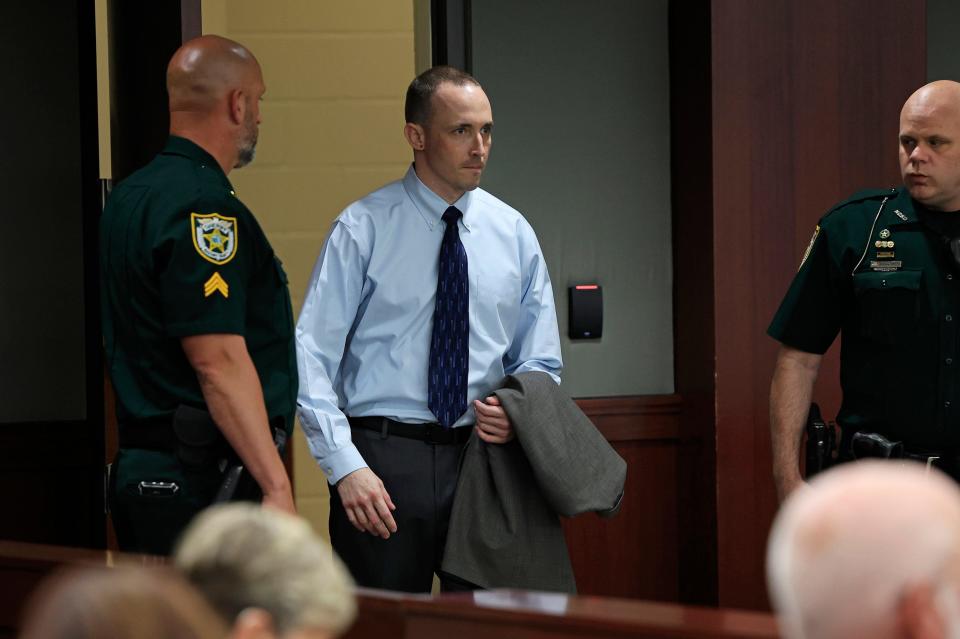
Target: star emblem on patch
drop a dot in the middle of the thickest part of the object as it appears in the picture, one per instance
(214, 236)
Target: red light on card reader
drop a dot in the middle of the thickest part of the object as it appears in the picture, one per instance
(586, 287)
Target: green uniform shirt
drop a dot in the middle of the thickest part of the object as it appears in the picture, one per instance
(181, 256)
(888, 284)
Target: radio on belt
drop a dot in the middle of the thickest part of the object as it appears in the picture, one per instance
(586, 311)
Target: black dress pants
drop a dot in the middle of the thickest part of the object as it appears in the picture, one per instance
(421, 479)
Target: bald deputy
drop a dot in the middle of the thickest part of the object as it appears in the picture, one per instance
(882, 270)
(196, 314)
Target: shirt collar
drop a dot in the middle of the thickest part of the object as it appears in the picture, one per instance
(430, 205)
(901, 208)
(177, 145)
(906, 208)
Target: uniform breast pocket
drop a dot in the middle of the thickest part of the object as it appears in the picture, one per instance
(495, 304)
(888, 304)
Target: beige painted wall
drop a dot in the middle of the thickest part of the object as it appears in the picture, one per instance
(336, 72)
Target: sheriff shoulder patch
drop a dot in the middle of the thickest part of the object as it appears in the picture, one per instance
(214, 236)
(806, 253)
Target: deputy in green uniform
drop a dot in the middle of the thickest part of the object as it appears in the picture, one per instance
(196, 313)
(882, 270)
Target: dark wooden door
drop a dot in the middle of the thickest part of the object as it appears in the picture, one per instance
(51, 411)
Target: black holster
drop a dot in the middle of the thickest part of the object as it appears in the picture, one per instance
(821, 442)
(199, 443)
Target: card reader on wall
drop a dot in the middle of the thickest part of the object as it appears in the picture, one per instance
(586, 311)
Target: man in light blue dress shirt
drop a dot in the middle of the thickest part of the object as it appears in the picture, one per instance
(364, 338)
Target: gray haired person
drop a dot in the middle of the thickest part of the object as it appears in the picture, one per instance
(267, 573)
(870, 549)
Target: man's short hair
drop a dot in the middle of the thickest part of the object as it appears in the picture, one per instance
(421, 90)
(242, 555)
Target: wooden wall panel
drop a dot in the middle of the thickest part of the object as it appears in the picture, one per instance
(805, 104)
(635, 553)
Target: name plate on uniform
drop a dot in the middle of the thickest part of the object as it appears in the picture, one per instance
(886, 265)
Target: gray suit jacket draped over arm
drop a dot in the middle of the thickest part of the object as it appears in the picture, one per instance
(504, 529)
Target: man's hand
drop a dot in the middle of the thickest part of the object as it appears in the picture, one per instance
(234, 397)
(281, 500)
(367, 503)
(493, 425)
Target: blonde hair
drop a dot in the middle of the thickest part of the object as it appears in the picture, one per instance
(126, 602)
(242, 555)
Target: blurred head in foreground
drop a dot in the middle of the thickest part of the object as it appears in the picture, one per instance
(267, 573)
(869, 549)
(127, 602)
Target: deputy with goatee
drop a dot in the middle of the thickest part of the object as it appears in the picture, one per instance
(196, 314)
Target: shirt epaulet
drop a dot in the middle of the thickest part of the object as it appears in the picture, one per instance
(863, 196)
(860, 198)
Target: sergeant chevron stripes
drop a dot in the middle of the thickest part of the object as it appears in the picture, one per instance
(214, 284)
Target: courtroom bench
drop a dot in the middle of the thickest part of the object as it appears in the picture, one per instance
(515, 614)
(500, 614)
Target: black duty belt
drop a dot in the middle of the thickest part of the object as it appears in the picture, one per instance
(155, 433)
(874, 445)
(432, 433)
(939, 459)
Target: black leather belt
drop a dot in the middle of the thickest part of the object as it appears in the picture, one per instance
(432, 433)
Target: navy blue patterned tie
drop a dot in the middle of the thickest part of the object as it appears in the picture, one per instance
(449, 345)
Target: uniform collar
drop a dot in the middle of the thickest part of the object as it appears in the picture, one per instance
(430, 205)
(177, 145)
(900, 209)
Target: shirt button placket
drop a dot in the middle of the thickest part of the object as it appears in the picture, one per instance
(948, 344)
